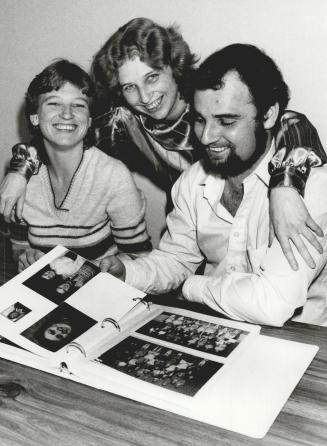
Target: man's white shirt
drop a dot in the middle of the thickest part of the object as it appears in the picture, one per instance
(243, 278)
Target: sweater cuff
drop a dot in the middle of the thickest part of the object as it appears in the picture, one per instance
(288, 176)
(193, 288)
(24, 161)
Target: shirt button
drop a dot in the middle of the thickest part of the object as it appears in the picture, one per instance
(232, 268)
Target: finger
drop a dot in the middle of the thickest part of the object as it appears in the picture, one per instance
(303, 250)
(314, 226)
(38, 255)
(2, 206)
(20, 267)
(288, 253)
(19, 208)
(271, 234)
(105, 265)
(22, 263)
(30, 258)
(7, 211)
(13, 215)
(308, 234)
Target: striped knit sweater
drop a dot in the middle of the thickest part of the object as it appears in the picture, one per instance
(102, 213)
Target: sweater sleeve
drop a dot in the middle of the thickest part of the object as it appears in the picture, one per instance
(126, 209)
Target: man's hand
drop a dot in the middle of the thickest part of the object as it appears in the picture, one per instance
(28, 257)
(290, 221)
(114, 266)
(12, 196)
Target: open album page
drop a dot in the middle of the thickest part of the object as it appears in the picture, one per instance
(172, 352)
(60, 299)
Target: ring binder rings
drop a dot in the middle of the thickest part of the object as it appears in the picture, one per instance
(112, 321)
(144, 302)
(75, 345)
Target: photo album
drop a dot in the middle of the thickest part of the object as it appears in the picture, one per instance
(64, 316)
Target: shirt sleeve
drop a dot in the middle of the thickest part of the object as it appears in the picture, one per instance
(271, 295)
(126, 210)
(178, 255)
(298, 150)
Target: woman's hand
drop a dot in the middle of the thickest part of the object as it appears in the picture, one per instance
(114, 266)
(28, 257)
(12, 196)
(290, 221)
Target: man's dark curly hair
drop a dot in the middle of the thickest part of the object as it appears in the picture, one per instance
(257, 70)
(155, 45)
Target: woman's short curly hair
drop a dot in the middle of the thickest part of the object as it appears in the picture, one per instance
(155, 45)
(52, 78)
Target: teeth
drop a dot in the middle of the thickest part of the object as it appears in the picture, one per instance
(69, 127)
(153, 105)
(218, 149)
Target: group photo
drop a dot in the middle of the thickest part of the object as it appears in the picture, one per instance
(179, 147)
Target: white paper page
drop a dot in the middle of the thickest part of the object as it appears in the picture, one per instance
(46, 314)
(174, 338)
(245, 398)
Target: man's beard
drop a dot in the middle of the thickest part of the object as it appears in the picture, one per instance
(234, 165)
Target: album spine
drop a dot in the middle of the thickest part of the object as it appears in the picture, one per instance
(106, 321)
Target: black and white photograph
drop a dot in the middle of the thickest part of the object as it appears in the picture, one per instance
(62, 277)
(15, 311)
(162, 366)
(177, 149)
(194, 333)
(58, 328)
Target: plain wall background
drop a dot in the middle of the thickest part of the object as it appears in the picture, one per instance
(34, 32)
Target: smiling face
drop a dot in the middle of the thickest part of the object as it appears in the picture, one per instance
(63, 117)
(150, 91)
(226, 125)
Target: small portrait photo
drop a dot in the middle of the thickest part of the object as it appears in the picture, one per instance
(62, 277)
(162, 366)
(59, 327)
(193, 333)
(15, 312)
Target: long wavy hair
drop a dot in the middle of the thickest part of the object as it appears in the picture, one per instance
(155, 45)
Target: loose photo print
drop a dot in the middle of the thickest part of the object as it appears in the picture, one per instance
(193, 333)
(59, 327)
(62, 277)
(15, 312)
(159, 365)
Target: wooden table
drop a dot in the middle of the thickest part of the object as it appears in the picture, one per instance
(41, 409)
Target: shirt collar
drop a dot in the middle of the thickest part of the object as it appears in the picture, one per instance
(261, 171)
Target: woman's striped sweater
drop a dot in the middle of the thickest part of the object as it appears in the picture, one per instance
(102, 213)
